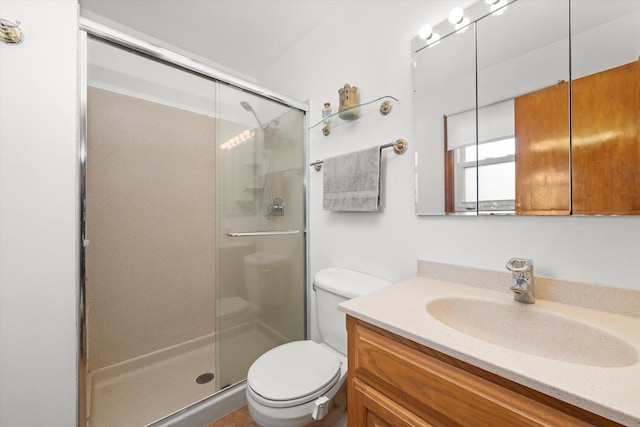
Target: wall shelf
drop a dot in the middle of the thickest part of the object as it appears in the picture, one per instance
(385, 108)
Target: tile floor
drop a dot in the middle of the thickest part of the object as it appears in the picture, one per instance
(238, 418)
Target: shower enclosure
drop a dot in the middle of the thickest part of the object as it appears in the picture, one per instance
(193, 229)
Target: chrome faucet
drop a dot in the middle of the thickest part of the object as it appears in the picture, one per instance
(522, 284)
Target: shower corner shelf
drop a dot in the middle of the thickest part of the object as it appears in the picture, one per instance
(385, 108)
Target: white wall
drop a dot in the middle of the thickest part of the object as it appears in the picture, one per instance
(370, 47)
(38, 216)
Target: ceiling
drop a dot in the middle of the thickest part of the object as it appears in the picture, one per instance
(243, 35)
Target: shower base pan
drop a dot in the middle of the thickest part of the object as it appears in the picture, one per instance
(143, 390)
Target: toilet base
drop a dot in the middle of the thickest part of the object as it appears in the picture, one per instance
(300, 416)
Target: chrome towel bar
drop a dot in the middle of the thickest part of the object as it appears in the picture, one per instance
(399, 147)
(261, 233)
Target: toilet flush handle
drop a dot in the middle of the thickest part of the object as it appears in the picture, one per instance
(321, 408)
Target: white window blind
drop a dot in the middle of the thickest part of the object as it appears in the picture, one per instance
(495, 121)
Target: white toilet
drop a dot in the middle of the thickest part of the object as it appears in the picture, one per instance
(266, 277)
(235, 311)
(302, 382)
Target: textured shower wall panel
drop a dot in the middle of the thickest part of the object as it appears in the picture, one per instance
(151, 226)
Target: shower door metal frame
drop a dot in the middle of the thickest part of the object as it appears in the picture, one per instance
(91, 29)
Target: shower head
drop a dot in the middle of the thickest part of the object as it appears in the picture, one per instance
(248, 107)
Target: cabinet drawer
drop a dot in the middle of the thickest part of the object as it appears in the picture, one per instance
(440, 392)
(375, 409)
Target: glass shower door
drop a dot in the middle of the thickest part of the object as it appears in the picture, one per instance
(261, 246)
(195, 217)
(150, 220)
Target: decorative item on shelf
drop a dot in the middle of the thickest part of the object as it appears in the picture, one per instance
(326, 117)
(9, 31)
(349, 99)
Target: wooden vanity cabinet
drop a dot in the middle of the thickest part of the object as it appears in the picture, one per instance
(397, 382)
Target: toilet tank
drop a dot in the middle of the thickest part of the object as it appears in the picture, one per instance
(333, 286)
(266, 278)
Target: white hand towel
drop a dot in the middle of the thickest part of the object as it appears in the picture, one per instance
(352, 181)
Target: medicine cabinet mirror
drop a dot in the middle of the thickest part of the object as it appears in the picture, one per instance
(532, 110)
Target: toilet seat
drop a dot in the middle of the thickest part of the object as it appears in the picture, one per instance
(293, 374)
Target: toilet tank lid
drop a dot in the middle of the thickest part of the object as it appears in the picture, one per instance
(348, 283)
(265, 259)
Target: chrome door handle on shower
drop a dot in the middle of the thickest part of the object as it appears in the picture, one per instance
(261, 233)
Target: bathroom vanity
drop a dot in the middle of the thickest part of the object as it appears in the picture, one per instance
(414, 362)
(396, 382)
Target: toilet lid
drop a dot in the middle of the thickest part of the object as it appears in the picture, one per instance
(293, 371)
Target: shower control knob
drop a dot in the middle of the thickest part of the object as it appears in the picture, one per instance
(278, 207)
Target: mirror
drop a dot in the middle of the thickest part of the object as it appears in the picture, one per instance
(523, 109)
(605, 99)
(441, 91)
(538, 135)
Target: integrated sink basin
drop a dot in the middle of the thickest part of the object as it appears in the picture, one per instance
(534, 330)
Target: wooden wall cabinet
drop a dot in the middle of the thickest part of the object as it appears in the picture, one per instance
(397, 382)
(605, 143)
(599, 172)
(543, 162)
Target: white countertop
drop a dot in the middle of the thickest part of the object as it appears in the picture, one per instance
(612, 392)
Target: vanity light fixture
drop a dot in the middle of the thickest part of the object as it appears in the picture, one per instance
(457, 18)
(498, 7)
(426, 33)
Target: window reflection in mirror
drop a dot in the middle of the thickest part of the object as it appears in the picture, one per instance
(486, 152)
(495, 162)
(520, 52)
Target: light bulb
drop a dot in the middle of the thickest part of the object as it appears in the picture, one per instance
(499, 7)
(425, 32)
(456, 15)
(463, 25)
(433, 40)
